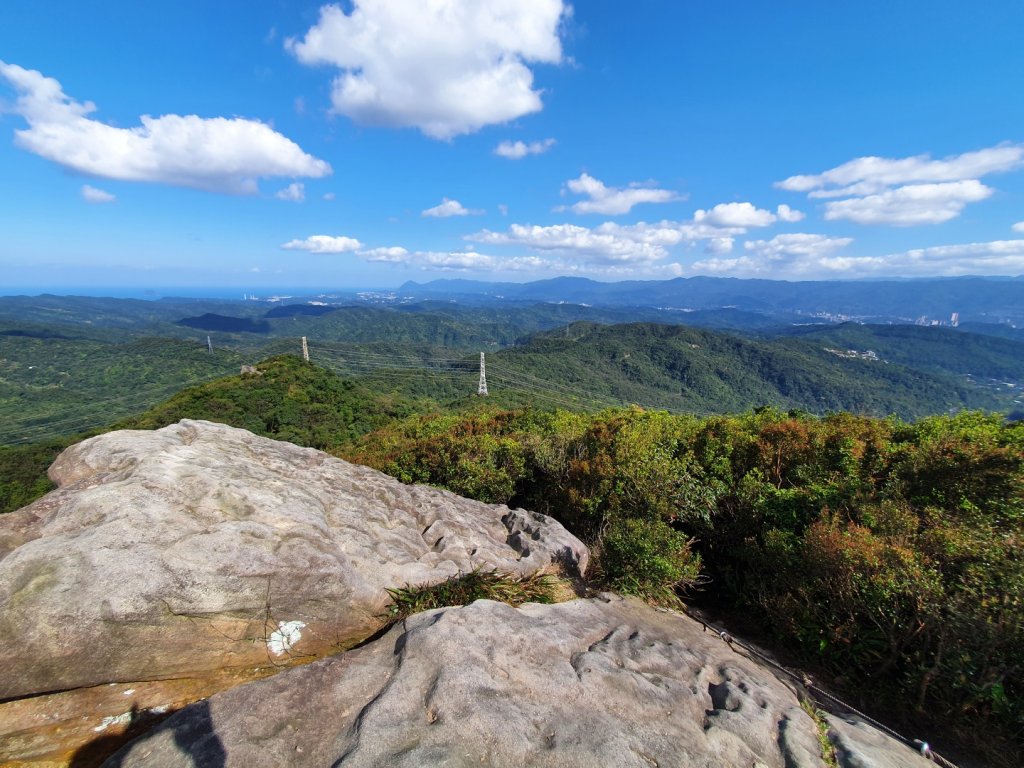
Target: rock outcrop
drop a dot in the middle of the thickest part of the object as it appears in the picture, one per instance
(199, 549)
(601, 682)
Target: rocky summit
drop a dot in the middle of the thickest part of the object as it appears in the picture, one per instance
(600, 682)
(192, 557)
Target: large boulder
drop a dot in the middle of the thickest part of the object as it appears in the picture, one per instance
(601, 682)
(196, 548)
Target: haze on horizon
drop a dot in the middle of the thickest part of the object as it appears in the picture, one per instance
(252, 147)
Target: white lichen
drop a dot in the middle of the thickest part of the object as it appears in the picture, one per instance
(123, 719)
(285, 637)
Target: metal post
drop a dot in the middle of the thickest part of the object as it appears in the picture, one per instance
(482, 389)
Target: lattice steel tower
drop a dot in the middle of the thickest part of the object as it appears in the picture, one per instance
(482, 389)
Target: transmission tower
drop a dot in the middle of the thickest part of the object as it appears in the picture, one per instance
(209, 344)
(482, 389)
(305, 350)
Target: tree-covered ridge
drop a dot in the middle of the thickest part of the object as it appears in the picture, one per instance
(50, 387)
(888, 555)
(702, 371)
(286, 399)
(925, 348)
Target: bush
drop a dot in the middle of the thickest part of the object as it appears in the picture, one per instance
(649, 559)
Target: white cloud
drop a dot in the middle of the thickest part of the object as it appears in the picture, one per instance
(736, 266)
(806, 256)
(910, 190)
(453, 260)
(94, 195)
(548, 264)
(324, 244)
(999, 257)
(785, 213)
(735, 215)
(1018, 227)
(608, 243)
(448, 208)
(216, 154)
(295, 192)
(613, 201)
(503, 209)
(791, 255)
(801, 245)
(447, 67)
(872, 175)
(910, 205)
(329, 196)
(516, 150)
(719, 245)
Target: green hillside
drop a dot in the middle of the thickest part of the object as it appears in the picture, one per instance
(286, 399)
(700, 371)
(58, 386)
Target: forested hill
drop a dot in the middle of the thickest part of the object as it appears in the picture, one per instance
(988, 300)
(924, 348)
(701, 371)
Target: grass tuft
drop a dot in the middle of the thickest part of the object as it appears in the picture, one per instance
(828, 751)
(464, 588)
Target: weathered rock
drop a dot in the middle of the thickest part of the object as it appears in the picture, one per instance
(860, 745)
(603, 682)
(198, 548)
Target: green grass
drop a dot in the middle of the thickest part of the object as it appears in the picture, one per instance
(828, 751)
(465, 588)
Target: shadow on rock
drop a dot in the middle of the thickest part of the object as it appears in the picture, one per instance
(191, 730)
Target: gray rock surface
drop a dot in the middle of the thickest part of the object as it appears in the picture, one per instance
(860, 745)
(199, 547)
(601, 682)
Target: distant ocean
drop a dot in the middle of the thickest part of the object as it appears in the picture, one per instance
(190, 292)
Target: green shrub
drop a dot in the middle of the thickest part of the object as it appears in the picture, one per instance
(649, 559)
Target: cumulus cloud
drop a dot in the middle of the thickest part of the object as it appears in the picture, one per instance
(295, 192)
(743, 215)
(448, 208)
(792, 255)
(907, 191)
(785, 213)
(613, 201)
(324, 244)
(215, 154)
(872, 175)
(517, 150)
(910, 205)
(1018, 227)
(719, 245)
(607, 244)
(546, 264)
(94, 195)
(806, 256)
(328, 196)
(999, 257)
(453, 260)
(446, 67)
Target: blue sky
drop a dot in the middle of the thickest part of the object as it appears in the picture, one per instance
(255, 146)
